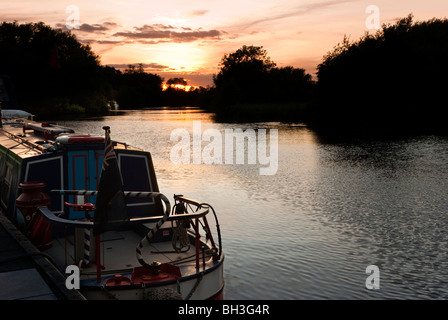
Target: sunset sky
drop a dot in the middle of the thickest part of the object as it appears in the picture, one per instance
(175, 38)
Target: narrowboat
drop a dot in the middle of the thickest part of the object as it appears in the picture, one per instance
(93, 204)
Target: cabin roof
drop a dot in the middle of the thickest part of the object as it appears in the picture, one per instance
(12, 138)
(28, 138)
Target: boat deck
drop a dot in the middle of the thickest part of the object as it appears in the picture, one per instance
(118, 255)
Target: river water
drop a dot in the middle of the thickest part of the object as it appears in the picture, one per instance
(333, 208)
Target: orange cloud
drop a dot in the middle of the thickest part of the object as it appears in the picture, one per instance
(169, 33)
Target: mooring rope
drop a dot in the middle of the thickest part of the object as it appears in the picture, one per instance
(218, 230)
(198, 280)
(180, 237)
(152, 232)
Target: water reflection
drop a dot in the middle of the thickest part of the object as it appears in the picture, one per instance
(160, 114)
(389, 198)
(333, 208)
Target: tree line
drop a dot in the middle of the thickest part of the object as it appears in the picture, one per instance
(250, 86)
(394, 78)
(53, 73)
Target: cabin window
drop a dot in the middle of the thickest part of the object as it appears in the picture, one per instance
(2, 166)
(6, 185)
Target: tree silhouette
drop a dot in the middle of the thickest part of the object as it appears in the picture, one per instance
(393, 79)
(250, 57)
(242, 75)
(136, 89)
(50, 68)
(289, 84)
(54, 73)
(249, 85)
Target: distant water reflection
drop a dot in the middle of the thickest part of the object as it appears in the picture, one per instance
(332, 209)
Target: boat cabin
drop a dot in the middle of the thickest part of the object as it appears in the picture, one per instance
(64, 160)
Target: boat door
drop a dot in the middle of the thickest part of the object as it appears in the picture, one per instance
(83, 171)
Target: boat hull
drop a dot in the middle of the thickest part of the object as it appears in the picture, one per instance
(119, 262)
(202, 286)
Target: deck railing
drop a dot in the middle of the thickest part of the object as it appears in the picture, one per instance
(184, 209)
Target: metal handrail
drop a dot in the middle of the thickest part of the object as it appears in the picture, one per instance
(126, 194)
(52, 217)
(201, 205)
